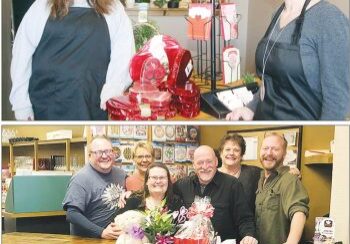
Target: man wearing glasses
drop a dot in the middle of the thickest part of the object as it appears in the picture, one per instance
(143, 156)
(93, 193)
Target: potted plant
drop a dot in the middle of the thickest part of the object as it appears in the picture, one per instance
(249, 80)
(159, 3)
(143, 32)
(173, 3)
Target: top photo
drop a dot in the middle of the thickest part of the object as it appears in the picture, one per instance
(183, 60)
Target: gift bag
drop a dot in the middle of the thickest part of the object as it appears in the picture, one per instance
(198, 229)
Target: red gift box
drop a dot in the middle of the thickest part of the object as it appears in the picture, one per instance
(171, 48)
(190, 241)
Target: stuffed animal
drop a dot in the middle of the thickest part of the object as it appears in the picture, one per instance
(130, 222)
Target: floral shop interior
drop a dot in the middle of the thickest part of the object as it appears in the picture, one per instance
(216, 68)
(39, 161)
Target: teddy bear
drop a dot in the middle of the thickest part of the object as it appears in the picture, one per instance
(130, 223)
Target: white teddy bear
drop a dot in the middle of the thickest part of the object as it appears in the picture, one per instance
(126, 221)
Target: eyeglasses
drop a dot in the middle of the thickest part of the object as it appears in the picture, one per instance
(160, 178)
(139, 157)
(99, 153)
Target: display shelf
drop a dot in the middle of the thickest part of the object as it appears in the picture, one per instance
(38, 145)
(319, 159)
(159, 11)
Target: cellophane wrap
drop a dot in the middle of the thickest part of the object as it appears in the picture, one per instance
(199, 226)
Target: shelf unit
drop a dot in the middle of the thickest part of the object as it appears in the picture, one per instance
(36, 144)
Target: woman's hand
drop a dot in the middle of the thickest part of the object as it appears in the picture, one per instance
(242, 113)
(122, 199)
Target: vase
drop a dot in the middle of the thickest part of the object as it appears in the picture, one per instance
(173, 4)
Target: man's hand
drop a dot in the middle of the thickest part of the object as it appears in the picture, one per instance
(122, 199)
(242, 113)
(112, 232)
(249, 240)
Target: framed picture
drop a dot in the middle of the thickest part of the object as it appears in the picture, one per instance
(291, 137)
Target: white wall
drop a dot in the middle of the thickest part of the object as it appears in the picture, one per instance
(339, 209)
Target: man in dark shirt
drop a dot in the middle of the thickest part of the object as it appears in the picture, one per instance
(232, 218)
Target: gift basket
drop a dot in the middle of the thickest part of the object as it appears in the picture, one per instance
(161, 72)
(198, 229)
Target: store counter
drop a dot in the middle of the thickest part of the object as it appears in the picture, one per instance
(33, 238)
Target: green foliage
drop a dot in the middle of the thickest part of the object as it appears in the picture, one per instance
(158, 221)
(159, 3)
(248, 78)
(143, 32)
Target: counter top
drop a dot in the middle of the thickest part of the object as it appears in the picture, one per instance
(33, 238)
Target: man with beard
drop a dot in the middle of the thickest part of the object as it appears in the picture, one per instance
(232, 218)
(281, 200)
(93, 193)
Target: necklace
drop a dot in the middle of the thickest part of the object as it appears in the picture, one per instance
(267, 55)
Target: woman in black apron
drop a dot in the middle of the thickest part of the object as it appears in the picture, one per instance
(285, 92)
(69, 59)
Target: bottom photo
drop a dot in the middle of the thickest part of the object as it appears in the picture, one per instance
(164, 184)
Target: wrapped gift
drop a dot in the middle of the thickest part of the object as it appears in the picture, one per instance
(187, 99)
(199, 19)
(161, 47)
(181, 70)
(198, 229)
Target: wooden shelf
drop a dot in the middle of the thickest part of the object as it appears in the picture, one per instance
(36, 214)
(321, 159)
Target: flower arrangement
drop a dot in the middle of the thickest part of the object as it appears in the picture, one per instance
(151, 226)
(159, 225)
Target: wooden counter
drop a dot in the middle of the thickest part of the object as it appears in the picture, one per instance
(33, 238)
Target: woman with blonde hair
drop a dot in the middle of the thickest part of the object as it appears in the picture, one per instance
(143, 156)
(69, 58)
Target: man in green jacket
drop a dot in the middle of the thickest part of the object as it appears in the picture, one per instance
(281, 200)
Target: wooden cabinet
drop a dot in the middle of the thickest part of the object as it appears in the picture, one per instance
(45, 149)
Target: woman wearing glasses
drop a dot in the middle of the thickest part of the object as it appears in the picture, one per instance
(157, 187)
(143, 156)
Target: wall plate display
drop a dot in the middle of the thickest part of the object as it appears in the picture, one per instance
(117, 150)
(158, 152)
(126, 152)
(168, 154)
(181, 133)
(113, 131)
(177, 171)
(126, 131)
(158, 133)
(192, 133)
(170, 132)
(141, 132)
(189, 152)
(180, 153)
(98, 130)
(128, 168)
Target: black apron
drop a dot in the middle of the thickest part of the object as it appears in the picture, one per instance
(288, 95)
(69, 67)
